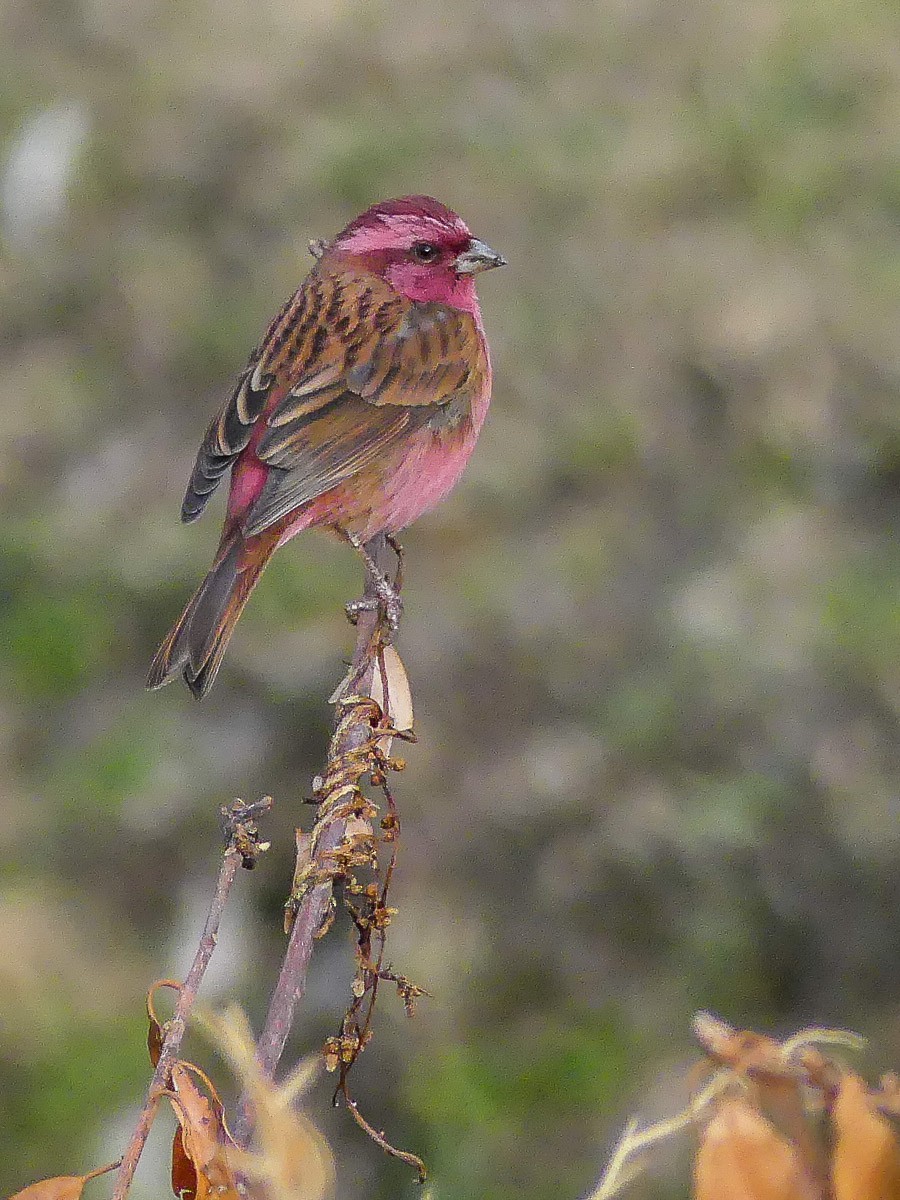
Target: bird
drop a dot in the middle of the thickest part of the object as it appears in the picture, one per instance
(356, 413)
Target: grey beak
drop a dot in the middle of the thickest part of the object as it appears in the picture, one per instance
(478, 257)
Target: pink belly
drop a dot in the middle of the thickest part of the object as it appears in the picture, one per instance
(428, 470)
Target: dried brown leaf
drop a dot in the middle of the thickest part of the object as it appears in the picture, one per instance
(156, 1029)
(391, 692)
(184, 1173)
(743, 1157)
(200, 1155)
(866, 1158)
(61, 1187)
(777, 1077)
(743, 1050)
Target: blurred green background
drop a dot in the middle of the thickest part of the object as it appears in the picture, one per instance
(654, 638)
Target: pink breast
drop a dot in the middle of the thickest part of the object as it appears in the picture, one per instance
(424, 472)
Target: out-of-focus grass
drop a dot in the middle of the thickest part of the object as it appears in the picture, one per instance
(652, 638)
(482, 1102)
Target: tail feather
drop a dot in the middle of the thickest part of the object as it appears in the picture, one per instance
(197, 641)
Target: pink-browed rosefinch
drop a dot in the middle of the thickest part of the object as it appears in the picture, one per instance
(358, 410)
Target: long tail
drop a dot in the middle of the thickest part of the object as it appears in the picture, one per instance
(196, 643)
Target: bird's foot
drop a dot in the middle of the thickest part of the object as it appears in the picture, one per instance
(354, 607)
(387, 594)
(387, 599)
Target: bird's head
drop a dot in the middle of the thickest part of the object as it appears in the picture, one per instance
(421, 247)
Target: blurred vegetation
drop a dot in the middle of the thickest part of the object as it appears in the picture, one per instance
(653, 638)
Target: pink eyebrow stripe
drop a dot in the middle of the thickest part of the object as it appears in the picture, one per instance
(385, 234)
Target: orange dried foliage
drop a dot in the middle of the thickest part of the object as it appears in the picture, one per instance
(743, 1157)
(200, 1158)
(779, 1121)
(200, 1165)
(866, 1156)
(61, 1187)
(184, 1173)
(776, 1083)
(763, 1144)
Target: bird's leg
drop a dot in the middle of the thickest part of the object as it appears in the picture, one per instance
(387, 594)
(398, 550)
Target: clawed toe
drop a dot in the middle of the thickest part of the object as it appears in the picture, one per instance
(387, 600)
(393, 609)
(354, 607)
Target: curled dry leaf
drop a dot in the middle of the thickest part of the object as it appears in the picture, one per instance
(744, 1051)
(779, 1078)
(61, 1187)
(866, 1157)
(753, 1054)
(743, 1157)
(391, 692)
(156, 1029)
(201, 1164)
(184, 1174)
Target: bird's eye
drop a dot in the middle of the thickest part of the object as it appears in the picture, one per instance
(425, 252)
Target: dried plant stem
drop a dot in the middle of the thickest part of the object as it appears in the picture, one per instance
(313, 908)
(379, 1139)
(291, 985)
(238, 852)
(622, 1166)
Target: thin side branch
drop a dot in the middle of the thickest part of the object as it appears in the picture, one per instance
(241, 850)
(379, 1139)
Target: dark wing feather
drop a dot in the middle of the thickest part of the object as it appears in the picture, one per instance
(232, 427)
(372, 369)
